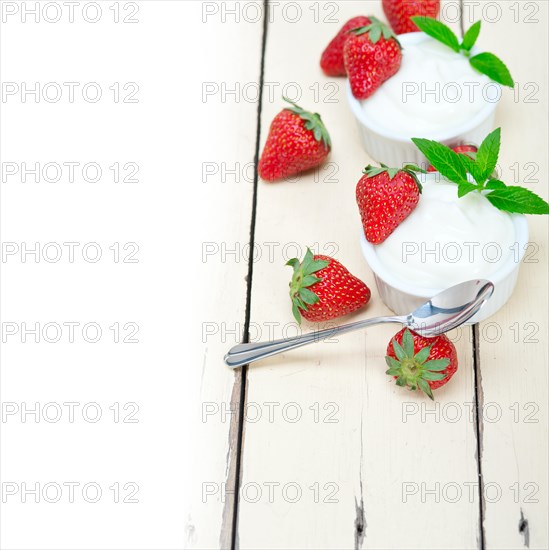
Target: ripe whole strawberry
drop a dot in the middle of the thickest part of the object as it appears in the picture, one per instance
(419, 362)
(372, 54)
(469, 150)
(332, 62)
(297, 141)
(399, 12)
(322, 289)
(385, 198)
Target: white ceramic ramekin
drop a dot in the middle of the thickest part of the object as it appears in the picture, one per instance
(394, 150)
(403, 297)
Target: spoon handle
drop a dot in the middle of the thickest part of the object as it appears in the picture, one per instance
(244, 354)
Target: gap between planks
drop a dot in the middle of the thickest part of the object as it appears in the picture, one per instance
(229, 528)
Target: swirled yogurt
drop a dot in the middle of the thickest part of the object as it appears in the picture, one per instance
(435, 89)
(447, 240)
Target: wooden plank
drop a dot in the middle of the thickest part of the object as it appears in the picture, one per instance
(356, 468)
(513, 344)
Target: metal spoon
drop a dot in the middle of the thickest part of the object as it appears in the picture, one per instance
(446, 311)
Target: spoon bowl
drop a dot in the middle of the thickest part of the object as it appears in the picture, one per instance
(445, 311)
(451, 308)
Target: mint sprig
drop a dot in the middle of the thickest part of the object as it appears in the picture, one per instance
(455, 167)
(485, 63)
(470, 37)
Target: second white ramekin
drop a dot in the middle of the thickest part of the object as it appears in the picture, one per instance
(403, 297)
(394, 150)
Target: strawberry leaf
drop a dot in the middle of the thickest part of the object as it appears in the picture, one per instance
(313, 123)
(399, 352)
(493, 67)
(308, 297)
(310, 280)
(487, 155)
(437, 30)
(518, 200)
(470, 36)
(422, 355)
(297, 314)
(314, 266)
(433, 376)
(393, 372)
(424, 386)
(408, 343)
(436, 364)
(392, 362)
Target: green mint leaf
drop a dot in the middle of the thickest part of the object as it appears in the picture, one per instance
(495, 184)
(443, 159)
(493, 67)
(518, 200)
(487, 155)
(471, 36)
(465, 188)
(472, 167)
(437, 30)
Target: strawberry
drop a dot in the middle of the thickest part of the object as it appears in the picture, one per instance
(385, 198)
(331, 61)
(322, 289)
(416, 361)
(469, 150)
(372, 54)
(399, 12)
(297, 141)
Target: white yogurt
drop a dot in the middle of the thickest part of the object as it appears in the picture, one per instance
(447, 240)
(434, 89)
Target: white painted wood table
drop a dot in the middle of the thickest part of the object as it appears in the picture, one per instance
(318, 448)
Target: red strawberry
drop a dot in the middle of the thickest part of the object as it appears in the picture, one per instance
(332, 58)
(399, 12)
(385, 198)
(461, 149)
(416, 361)
(322, 289)
(297, 141)
(372, 55)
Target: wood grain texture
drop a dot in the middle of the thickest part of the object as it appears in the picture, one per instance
(513, 343)
(222, 182)
(346, 459)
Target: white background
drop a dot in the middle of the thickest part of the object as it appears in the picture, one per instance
(158, 213)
